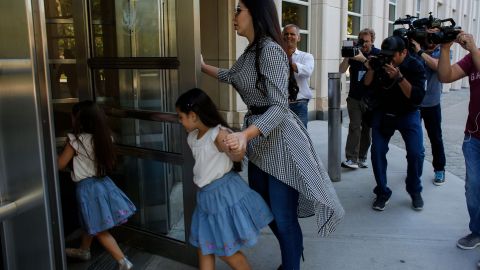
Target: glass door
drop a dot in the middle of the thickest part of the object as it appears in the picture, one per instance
(127, 56)
(135, 70)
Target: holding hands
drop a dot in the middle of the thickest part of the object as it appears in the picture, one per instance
(236, 142)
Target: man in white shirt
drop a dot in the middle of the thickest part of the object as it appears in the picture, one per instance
(302, 64)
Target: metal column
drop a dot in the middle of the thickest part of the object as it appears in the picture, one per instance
(334, 126)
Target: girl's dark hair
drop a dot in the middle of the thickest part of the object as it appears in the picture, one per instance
(89, 118)
(197, 101)
(265, 24)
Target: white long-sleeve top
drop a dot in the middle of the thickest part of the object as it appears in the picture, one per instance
(305, 64)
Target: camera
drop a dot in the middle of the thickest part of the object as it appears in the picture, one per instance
(350, 48)
(377, 63)
(446, 29)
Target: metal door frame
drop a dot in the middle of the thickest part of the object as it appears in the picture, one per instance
(51, 183)
(47, 195)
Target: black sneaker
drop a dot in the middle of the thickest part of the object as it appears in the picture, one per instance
(380, 202)
(470, 241)
(417, 201)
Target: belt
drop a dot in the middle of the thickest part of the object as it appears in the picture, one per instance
(256, 110)
(302, 100)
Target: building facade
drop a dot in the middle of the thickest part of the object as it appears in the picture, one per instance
(324, 25)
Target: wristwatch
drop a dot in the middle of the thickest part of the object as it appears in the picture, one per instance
(400, 79)
(420, 52)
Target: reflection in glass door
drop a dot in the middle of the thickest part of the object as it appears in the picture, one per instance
(135, 78)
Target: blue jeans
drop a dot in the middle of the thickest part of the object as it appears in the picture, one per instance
(283, 201)
(300, 108)
(471, 152)
(410, 128)
(432, 118)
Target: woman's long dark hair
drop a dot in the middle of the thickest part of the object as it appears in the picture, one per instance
(89, 118)
(265, 24)
(197, 101)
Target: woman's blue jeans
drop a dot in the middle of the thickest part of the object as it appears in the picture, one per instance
(283, 201)
(471, 152)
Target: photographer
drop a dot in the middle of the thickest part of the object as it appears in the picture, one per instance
(398, 85)
(467, 66)
(430, 110)
(358, 139)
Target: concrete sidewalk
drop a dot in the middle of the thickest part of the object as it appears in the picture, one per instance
(397, 238)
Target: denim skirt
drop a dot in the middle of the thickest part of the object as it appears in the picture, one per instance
(102, 205)
(228, 216)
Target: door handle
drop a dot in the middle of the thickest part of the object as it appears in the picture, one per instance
(25, 203)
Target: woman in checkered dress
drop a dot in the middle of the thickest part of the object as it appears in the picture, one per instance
(283, 166)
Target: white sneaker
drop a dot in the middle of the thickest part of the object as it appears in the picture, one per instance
(77, 253)
(350, 164)
(362, 164)
(124, 264)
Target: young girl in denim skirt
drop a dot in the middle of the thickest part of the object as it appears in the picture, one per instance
(102, 205)
(229, 215)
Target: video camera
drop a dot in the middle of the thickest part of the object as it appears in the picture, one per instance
(417, 29)
(351, 48)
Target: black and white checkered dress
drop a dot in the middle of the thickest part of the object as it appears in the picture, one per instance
(284, 150)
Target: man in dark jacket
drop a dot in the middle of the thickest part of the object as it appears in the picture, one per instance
(359, 138)
(399, 87)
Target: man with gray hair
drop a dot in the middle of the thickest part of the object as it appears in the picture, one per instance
(359, 138)
(302, 65)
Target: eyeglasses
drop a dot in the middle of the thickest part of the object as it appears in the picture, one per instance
(238, 10)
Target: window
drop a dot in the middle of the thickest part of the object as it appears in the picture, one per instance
(297, 12)
(354, 18)
(392, 15)
(417, 11)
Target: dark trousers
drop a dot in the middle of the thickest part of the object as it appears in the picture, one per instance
(359, 137)
(411, 130)
(283, 201)
(432, 118)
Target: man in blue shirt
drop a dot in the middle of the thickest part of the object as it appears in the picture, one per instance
(430, 110)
